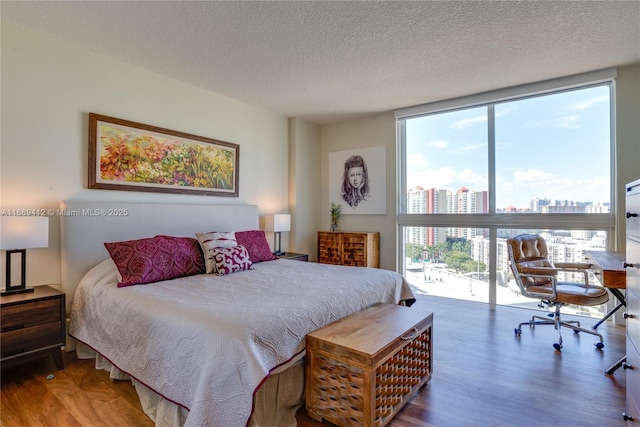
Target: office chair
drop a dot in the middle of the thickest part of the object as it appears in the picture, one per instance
(536, 277)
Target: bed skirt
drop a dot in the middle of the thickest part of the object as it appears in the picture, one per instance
(275, 403)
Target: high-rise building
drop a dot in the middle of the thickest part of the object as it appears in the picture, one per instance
(431, 201)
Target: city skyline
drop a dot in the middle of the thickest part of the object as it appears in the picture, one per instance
(530, 204)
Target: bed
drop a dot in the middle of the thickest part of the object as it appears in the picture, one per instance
(204, 349)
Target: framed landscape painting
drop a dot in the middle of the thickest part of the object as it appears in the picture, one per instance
(130, 156)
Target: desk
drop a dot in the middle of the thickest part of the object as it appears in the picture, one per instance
(608, 268)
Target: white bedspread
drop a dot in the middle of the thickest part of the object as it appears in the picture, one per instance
(207, 342)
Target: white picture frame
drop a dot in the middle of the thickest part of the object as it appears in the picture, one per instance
(369, 171)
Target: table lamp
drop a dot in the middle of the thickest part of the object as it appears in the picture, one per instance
(17, 234)
(277, 223)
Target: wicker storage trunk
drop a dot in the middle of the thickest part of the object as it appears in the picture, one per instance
(361, 370)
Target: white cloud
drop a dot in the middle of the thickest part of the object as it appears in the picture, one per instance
(504, 111)
(584, 105)
(533, 176)
(417, 160)
(439, 144)
(468, 122)
(469, 147)
(479, 119)
(525, 185)
(565, 119)
(568, 122)
(447, 178)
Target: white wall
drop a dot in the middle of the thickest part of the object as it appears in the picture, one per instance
(372, 131)
(304, 186)
(48, 88)
(627, 140)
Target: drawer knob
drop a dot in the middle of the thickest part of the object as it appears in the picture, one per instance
(627, 315)
(631, 215)
(627, 417)
(626, 265)
(626, 366)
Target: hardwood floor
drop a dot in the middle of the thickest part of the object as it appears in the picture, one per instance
(483, 376)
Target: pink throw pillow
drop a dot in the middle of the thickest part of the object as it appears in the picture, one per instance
(256, 243)
(230, 260)
(156, 258)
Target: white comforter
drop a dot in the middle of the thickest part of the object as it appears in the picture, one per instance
(208, 342)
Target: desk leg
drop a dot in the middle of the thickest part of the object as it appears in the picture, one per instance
(622, 303)
(619, 363)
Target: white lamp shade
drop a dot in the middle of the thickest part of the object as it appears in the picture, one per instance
(277, 222)
(24, 232)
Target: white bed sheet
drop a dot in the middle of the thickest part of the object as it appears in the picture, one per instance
(207, 342)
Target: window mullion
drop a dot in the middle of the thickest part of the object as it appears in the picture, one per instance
(491, 137)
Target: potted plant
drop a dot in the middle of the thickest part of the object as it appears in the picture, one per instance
(335, 210)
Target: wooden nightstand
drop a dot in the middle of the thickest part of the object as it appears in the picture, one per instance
(33, 325)
(294, 256)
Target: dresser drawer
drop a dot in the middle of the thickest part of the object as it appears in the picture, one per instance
(633, 319)
(30, 314)
(34, 338)
(354, 250)
(632, 206)
(633, 377)
(329, 248)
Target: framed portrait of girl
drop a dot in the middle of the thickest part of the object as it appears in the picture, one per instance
(358, 180)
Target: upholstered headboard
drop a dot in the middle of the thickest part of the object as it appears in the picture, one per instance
(86, 225)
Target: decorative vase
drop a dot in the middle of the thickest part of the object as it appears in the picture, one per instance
(334, 227)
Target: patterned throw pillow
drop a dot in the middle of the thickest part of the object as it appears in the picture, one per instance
(230, 260)
(256, 243)
(156, 258)
(214, 240)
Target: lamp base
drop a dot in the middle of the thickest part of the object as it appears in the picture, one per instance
(16, 291)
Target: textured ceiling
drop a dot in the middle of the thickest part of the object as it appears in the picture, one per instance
(330, 61)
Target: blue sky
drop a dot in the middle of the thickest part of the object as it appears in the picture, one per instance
(554, 146)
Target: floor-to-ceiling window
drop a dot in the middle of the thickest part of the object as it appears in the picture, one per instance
(476, 171)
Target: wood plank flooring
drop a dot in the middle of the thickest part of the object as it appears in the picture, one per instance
(483, 376)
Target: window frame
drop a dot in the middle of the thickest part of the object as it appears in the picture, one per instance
(492, 220)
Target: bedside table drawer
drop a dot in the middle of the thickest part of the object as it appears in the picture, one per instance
(32, 324)
(26, 339)
(30, 314)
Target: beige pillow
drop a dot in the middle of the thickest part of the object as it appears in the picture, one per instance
(212, 240)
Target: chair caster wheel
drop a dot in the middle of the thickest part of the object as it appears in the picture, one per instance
(557, 346)
(599, 345)
(517, 331)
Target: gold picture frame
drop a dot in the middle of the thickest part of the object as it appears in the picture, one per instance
(130, 156)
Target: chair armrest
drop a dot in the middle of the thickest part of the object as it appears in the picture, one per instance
(527, 290)
(572, 265)
(575, 267)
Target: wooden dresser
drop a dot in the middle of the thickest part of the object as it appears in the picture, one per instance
(353, 248)
(632, 315)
